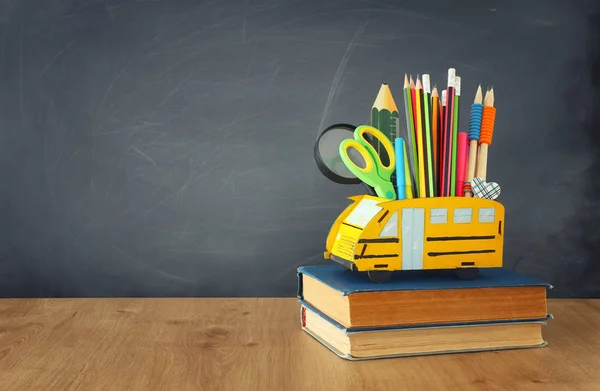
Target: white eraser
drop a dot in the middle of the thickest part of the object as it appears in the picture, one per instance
(451, 77)
(457, 85)
(443, 97)
(426, 84)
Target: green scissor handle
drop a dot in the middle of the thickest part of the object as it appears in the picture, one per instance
(375, 173)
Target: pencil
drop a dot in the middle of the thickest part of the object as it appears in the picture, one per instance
(384, 117)
(410, 142)
(487, 131)
(420, 151)
(474, 130)
(447, 131)
(414, 111)
(453, 168)
(427, 139)
(435, 118)
(441, 141)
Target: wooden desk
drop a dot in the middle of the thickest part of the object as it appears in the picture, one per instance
(257, 344)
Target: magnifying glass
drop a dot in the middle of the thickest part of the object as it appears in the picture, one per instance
(328, 159)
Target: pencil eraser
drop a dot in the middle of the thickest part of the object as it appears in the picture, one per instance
(457, 85)
(451, 77)
(426, 84)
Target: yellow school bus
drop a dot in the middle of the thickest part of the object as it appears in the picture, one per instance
(379, 236)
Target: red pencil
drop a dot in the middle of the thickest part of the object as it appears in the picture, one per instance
(414, 105)
(435, 132)
(442, 142)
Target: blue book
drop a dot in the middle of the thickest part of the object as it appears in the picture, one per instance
(354, 344)
(421, 297)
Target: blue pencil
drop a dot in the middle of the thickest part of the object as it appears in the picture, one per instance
(400, 169)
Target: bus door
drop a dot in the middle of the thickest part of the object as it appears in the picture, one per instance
(413, 235)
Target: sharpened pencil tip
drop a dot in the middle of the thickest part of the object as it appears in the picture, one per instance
(478, 96)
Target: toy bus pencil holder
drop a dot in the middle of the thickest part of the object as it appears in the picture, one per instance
(378, 236)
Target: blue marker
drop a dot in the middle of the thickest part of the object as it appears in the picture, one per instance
(400, 173)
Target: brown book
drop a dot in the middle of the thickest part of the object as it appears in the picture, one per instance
(421, 298)
(421, 340)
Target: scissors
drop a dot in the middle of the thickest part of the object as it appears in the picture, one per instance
(374, 173)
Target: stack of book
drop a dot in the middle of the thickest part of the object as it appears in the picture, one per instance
(421, 312)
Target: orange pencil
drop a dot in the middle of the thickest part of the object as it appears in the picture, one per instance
(487, 131)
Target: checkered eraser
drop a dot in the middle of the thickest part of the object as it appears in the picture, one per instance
(483, 189)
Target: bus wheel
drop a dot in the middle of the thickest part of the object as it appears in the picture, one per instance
(379, 276)
(467, 273)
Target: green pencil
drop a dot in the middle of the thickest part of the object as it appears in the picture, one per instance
(428, 139)
(385, 118)
(454, 137)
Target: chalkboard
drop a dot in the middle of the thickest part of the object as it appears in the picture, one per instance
(164, 148)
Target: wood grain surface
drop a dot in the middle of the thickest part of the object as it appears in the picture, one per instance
(257, 344)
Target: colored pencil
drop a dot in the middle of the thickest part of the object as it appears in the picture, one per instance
(453, 168)
(487, 131)
(410, 142)
(427, 139)
(420, 135)
(414, 119)
(384, 117)
(414, 111)
(448, 125)
(442, 140)
(474, 131)
(435, 118)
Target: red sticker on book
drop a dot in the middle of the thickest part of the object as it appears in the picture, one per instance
(303, 316)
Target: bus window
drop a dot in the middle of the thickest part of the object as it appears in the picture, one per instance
(391, 227)
(486, 215)
(438, 216)
(363, 213)
(462, 215)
